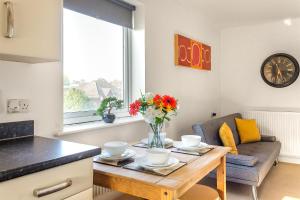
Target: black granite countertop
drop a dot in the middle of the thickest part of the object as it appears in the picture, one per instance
(19, 157)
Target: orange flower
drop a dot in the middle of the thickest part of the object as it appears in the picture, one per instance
(157, 100)
(169, 103)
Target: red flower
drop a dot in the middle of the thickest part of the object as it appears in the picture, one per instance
(157, 100)
(169, 102)
(134, 108)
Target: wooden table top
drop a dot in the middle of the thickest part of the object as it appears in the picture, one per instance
(197, 167)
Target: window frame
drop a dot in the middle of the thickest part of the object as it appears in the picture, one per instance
(80, 117)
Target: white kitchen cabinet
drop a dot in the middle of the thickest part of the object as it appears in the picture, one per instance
(85, 195)
(37, 31)
(79, 174)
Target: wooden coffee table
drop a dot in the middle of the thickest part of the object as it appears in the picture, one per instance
(170, 187)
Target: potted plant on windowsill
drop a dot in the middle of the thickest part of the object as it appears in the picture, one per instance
(106, 107)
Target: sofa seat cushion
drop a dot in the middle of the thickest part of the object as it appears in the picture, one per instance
(265, 152)
(244, 160)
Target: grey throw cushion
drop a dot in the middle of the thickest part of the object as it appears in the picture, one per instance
(244, 160)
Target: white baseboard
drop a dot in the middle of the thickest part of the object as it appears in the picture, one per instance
(295, 159)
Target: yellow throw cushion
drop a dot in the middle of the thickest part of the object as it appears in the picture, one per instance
(247, 130)
(226, 136)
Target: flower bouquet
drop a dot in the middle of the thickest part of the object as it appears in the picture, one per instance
(156, 110)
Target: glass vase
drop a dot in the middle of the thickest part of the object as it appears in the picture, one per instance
(156, 138)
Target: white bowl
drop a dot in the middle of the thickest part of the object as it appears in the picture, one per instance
(158, 155)
(191, 140)
(115, 147)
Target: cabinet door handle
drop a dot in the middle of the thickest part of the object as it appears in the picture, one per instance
(40, 192)
(9, 19)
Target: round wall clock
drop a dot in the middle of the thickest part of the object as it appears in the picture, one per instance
(280, 70)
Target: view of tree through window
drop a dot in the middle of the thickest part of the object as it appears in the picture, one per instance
(93, 61)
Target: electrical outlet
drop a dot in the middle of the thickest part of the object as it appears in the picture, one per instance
(13, 106)
(24, 105)
(18, 105)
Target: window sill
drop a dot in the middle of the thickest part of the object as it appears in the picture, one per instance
(85, 127)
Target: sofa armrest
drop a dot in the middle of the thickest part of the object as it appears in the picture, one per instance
(267, 138)
(244, 160)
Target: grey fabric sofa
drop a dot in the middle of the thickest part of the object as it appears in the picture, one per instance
(254, 160)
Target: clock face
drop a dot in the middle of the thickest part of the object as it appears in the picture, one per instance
(280, 70)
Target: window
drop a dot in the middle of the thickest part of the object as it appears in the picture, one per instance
(96, 65)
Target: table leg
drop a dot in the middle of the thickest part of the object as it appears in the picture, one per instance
(221, 178)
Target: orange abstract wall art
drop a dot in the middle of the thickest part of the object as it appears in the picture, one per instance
(191, 53)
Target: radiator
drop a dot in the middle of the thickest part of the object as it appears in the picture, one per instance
(98, 191)
(284, 125)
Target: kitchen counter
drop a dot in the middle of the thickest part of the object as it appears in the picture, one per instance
(19, 157)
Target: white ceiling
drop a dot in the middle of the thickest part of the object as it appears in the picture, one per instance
(228, 13)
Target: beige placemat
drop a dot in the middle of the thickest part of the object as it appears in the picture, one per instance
(160, 172)
(198, 152)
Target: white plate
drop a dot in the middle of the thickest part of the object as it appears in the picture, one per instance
(129, 153)
(179, 145)
(167, 141)
(145, 164)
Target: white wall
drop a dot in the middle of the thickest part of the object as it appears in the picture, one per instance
(197, 91)
(42, 85)
(138, 51)
(243, 50)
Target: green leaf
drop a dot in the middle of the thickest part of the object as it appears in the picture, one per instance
(108, 104)
(167, 118)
